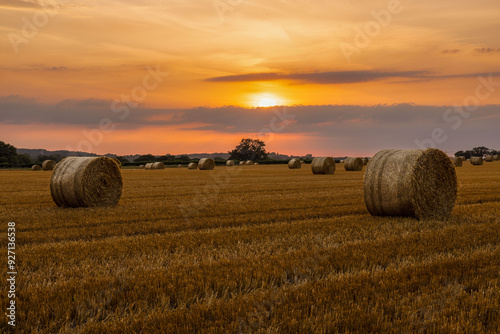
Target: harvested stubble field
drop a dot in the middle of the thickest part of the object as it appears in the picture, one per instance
(272, 250)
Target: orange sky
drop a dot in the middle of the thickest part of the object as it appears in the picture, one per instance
(244, 53)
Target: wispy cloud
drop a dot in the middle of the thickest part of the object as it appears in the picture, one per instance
(342, 77)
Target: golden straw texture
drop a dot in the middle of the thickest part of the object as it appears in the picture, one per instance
(353, 164)
(414, 183)
(294, 164)
(48, 165)
(206, 164)
(323, 165)
(86, 182)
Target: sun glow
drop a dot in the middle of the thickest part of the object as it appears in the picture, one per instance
(266, 100)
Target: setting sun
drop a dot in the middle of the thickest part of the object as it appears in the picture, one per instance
(266, 100)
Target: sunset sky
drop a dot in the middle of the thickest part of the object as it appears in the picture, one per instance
(323, 77)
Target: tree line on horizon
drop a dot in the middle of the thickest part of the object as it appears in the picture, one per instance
(247, 149)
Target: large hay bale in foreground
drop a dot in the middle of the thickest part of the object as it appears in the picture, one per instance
(230, 163)
(476, 161)
(158, 165)
(86, 182)
(49, 165)
(149, 165)
(36, 167)
(206, 164)
(412, 183)
(323, 165)
(249, 162)
(294, 164)
(353, 164)
(193, 165)
(488, 158)
(457, 161)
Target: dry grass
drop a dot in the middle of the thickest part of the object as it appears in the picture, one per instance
(272, 251)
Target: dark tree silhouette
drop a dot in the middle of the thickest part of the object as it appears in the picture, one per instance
(249, 149)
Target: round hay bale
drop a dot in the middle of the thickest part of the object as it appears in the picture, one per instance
(149, 165)
(206, 164)
(86, 182)
(141, 166)
(463, 158)
(353, 164)
(49, 165)
(341, 161)
(256, 163)
(294, 164)
(457, 161)
(230, 163)
(323, 165)
(179, 166)
(249, 162)
(365, 161)
(118, 162)
(496, 157)
(476, 161)
(36, 167)
(242, 163)
(488, 158)
(193, 165)
(158, 165)
(411, 183)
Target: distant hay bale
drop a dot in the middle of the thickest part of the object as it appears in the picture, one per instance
(323, 165)
(365, 161)
(158, 165)
(489, 158)
(353, 164)
(411, 183)
(36, 167)
(230, 163)
(341, 161)
(496, 157)
(255, 163)
(149, 165)
(463, 158)
(118, 162)
(206, 164)
(86, 182)
(242, 163)
(193, 165)
(294, 164)
(249, 162)
(457, 161)
(141, 166)
(179, 166)
(476, 161)
(49, 165)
